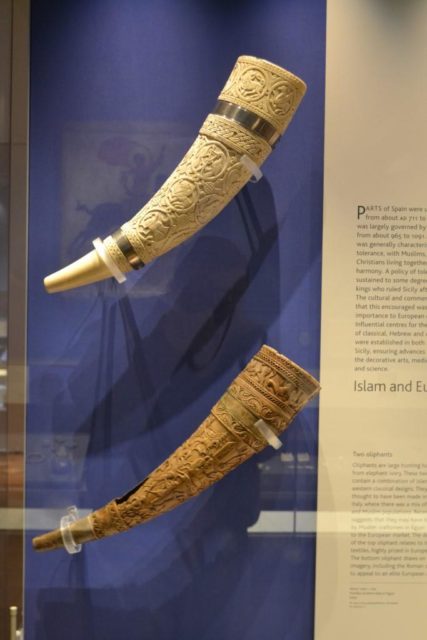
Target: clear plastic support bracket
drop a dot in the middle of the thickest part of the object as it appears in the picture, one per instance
(67, 537)
(268, 433)
(252, 167)
(108, 261)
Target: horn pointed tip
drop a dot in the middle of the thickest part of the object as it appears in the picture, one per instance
(48, 541)
(88, 269)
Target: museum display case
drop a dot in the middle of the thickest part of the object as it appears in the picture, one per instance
(257, 179)
(120, 375)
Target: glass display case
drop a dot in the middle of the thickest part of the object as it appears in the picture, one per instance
(119, 375)
(109, 377)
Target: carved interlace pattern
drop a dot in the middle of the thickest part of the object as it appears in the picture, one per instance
(259, 404)
(237, 138)
(115, 253)
(271, 388)
(206, 457)
(205, 181)
(107, 521)
(266, 389)
(211, 174)
(288, 369)
(239, 424)
(264, 88)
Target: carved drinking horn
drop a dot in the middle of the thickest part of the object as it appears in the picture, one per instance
(258, 406)
(252, 112)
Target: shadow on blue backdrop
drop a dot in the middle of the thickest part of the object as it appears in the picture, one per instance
(120, 375)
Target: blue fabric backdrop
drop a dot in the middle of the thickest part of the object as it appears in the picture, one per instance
(119, 375)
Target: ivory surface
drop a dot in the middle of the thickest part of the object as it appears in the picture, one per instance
(210, 174)
(271, 388)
